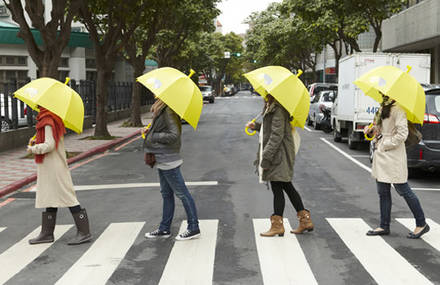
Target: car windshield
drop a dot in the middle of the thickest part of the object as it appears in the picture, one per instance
(205, 88)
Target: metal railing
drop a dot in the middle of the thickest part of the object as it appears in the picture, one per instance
(15, 114)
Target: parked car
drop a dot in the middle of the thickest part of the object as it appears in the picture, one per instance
(426, 154)
(207, 93)
(320, 102)
(315, 88)
(6, 122)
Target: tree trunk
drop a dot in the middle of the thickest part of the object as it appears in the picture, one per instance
(378, 32)
(135, 117)
(103, 77)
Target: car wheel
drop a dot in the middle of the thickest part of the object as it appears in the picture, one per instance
(5, 125)
(337, 136)
(309, 122)
(316, 126)
(211, 101)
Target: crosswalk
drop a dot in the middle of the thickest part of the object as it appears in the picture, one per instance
(282, 260)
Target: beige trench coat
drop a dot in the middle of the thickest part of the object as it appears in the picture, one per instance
(54, 183)
(389, 159)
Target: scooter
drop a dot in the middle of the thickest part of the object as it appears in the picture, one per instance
(325, 123)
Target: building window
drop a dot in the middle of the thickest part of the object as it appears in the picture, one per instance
(3, 11)
(90, 63)
(62, 74)
(13, 60)
(91, 75)
(64, 62)
(8, 75)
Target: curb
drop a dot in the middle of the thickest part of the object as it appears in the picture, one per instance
(31, 178)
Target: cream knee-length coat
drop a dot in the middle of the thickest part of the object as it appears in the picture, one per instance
(389, 159)
(54, 183)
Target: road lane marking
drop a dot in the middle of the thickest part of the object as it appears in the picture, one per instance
(192, 261)
(380, 260)
(347, 155)
(310, 130)
(133, 185)
(426, 189)
(2, 229)
(282, 260)
(127, 143)
(360, 155)
(18, 256)
(432, 237)
(99, 262)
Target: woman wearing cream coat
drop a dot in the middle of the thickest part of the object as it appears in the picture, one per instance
(390, 166)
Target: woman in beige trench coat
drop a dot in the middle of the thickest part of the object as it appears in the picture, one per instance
(54, 183)
(390, 166)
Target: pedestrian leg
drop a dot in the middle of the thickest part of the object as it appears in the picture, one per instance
(383, 189)
(81, 219)
(48, 222)
(168, 203)
(276, 219)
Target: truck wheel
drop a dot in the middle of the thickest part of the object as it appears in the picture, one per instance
(5, 125)
(351, 144)
(337, 136)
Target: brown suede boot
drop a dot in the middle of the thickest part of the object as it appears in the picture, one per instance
(276, 228)
(83, 230)
(47, 228)
(305, 222)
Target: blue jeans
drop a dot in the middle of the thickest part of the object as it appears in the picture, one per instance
(385, 203)
(171, 182)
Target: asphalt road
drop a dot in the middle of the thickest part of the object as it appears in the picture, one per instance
(334, 182)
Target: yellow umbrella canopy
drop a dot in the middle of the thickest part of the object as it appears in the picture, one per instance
(56, 97)
(177, 91)
(399, 86)
(285, 87)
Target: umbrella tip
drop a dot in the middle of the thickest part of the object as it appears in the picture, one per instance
(299, 72)
(67, 80)
(191, 72)
(408, 68)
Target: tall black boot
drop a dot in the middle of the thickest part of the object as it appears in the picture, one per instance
(47, 228)
(83, 229)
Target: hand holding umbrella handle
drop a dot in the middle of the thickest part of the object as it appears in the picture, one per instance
(247, 129)
(144, 131)
(366, 136)
(32, 140)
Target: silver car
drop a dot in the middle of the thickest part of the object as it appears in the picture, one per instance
(319, 102)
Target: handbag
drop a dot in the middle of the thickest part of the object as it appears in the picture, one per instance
(150, 159)
(414, 135)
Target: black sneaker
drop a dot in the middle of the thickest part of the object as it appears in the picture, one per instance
(188, 235)
(158, 234)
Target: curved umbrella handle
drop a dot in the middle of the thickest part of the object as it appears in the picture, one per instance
(32, 139)
(367, 137)
(146, 128)
(247, 130)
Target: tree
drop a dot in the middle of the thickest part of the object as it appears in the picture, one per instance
(55, 33)
(110, 25)
(375, 11)
(138, 48)
(185, 19)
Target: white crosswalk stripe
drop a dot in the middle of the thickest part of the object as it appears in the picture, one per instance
(14, 259)
(432, 237)
(384, 264)
(192, 261)
(100, 261)
(279, 255)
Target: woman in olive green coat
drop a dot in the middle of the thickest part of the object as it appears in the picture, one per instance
(276, 159)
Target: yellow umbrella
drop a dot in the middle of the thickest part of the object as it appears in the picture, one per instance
(399, 86)
(285, 87)
(56, 97)
(177, 91)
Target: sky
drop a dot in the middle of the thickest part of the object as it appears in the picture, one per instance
(234, 13)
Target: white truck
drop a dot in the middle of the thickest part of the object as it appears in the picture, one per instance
(352, 110)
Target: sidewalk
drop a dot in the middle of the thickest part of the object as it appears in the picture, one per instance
(13, 167)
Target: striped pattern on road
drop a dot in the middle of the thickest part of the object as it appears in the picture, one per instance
(192, 261)
(100, 261)
(384, 264)
(280, 255)
(133, 185)
(432, 237)
(18, 256)
(2, 229)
